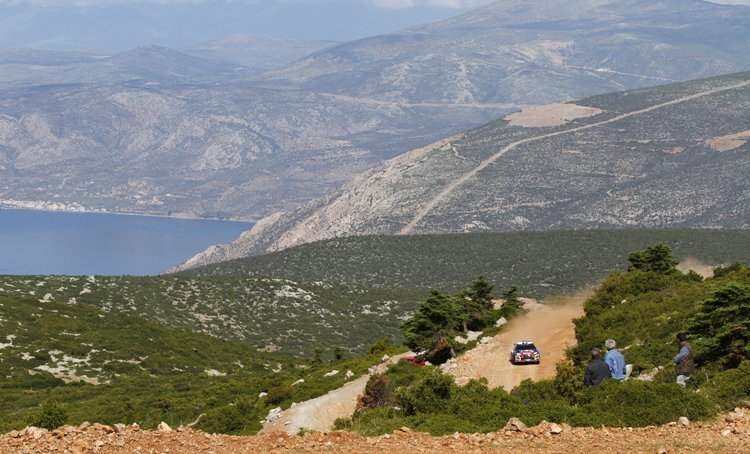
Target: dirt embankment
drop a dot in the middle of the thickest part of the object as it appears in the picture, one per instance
(548, 325)
(731, 434)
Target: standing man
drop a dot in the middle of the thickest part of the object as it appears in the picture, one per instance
(597, 370)
(684, 360)
(615, 360)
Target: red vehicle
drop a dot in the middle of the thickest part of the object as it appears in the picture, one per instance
(416, 360)
(524, 352)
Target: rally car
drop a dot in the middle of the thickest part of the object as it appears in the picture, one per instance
(524, 352)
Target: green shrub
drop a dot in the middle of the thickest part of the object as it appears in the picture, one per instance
(240, 417)
(381, 345)
(559, 411)
(569, 381)
(373, 422)
(529, 391)
(226, 419)
(730, 388)
(722, 271)
(51, 415)
(429, 395)
(481, 409)
(636, 403)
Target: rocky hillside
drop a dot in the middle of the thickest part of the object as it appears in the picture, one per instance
(669, 156)
(274, 315)
(161, 132)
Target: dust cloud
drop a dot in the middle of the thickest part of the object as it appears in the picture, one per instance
(690, 263)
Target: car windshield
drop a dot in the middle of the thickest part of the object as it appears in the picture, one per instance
(528, 346)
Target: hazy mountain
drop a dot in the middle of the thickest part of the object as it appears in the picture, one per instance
(159, 131)
(233, 58)
(257, 53)
(535, 52)
(669, 156)
(30, 68)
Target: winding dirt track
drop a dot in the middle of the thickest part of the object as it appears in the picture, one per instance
(549, 326)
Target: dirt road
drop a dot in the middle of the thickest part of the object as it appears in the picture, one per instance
(548, 325)
(320, 413)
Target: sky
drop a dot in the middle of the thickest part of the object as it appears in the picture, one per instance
(126, 24)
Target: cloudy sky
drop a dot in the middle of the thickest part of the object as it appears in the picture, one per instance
(125, 24)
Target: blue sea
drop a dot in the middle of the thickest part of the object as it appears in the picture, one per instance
(44, 242)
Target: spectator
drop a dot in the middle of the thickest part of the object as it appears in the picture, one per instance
(684, 361)
(597, 369)
(615, 361)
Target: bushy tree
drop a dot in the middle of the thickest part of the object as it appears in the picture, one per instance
(512, 303)
(431, 394)
(381, 345)
(722, 271)
(657, 258)
(480, 291)
(440, 316)
(722, 326)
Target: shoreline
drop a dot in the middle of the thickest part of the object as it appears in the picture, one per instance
(75, 210)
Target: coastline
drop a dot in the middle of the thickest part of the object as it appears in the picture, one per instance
(53, 207)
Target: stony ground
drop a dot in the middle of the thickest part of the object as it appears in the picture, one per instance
(730, 433)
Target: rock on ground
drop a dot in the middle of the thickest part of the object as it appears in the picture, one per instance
(730, 434)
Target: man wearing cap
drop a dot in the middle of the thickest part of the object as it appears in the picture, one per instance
(615, 360)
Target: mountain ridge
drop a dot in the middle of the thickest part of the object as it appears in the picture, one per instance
(635, 147)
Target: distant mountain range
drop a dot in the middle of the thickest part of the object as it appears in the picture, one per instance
(233, 58)
(670, 156)
(199, 133)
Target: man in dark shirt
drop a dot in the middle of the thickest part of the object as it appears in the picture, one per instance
(597, 370)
